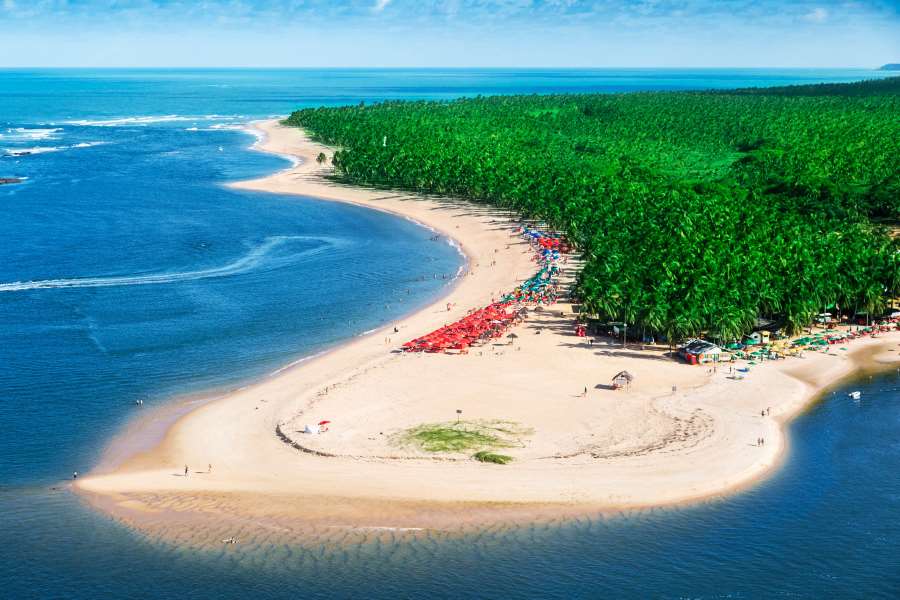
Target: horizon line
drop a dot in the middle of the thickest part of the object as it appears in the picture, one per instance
(409, 67)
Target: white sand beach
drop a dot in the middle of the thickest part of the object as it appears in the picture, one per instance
(609, 449)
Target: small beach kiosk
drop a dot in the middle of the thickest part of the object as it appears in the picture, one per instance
(699, 352)
(757, 338)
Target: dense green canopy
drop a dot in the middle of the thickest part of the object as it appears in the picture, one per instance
(696, 211)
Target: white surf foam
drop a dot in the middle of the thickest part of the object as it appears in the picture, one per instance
(34, 150)
(126, 121)
(16, 151)
(223, 127)
(253, 259)
(149, 119)
(298, 362)
(25, 133)
(455, 245)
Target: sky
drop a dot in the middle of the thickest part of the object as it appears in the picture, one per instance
(449, 33)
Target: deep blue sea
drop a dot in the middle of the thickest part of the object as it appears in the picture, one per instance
(128, 271)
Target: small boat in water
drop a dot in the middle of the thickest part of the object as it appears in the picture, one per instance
(855, 395)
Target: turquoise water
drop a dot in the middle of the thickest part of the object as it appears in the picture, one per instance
(127, 271)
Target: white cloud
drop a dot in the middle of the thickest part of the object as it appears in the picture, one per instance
(816, 15)
(380, 5)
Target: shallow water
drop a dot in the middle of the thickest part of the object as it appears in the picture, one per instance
(128, 272)
(824, 526)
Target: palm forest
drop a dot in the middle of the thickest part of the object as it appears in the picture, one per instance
(695, 212)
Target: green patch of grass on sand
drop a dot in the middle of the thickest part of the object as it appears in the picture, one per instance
(490, 457)
(465, 436)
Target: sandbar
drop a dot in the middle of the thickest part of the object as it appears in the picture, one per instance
(679, 433)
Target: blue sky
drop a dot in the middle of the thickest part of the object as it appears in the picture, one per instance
(439, 33)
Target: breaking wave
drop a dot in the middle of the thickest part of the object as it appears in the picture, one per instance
(253, 259)
(30, 151)
(45, 149)
(148, 120)
(17, 134)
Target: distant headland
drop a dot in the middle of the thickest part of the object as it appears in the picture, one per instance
(890, 67)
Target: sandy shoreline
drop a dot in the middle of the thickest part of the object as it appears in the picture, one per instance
(643, 447)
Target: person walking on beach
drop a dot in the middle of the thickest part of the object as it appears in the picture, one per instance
(185, 470)
(75, 475)
(209, 468)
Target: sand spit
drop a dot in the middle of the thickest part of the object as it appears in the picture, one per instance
(679, 434)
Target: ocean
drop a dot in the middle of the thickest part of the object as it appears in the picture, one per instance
(129, 272)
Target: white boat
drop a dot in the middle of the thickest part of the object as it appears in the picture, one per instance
(855, 395)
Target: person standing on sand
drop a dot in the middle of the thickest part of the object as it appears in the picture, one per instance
(185, 470)
(209, 468)
(75, 475)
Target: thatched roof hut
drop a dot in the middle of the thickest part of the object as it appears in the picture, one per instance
(622, 379)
